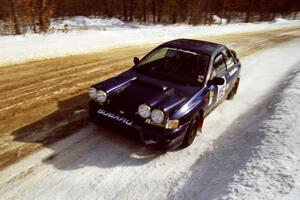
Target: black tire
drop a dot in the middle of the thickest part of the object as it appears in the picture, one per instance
(233, 91)
(92, 115)
(191, 132)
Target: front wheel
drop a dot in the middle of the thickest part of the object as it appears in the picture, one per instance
(192, 131)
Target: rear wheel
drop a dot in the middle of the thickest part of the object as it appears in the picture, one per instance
(233, 92)
(192, 131)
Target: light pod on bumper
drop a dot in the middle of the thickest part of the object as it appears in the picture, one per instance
(157, 116)
(144, 111)
(93, 93)
(101, 96)
(172, 124)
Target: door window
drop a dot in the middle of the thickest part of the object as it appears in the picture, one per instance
(228, 59)
(219, 69)
(219, 66)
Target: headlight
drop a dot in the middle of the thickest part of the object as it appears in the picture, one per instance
(157, 116)
(144, 111)
(93, 93)
(101, 96)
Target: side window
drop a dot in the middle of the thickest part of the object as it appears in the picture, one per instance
(219, 66)
(228, 59)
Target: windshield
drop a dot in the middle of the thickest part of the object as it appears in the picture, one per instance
(175, 65)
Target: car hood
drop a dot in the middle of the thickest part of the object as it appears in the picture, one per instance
(130, 89)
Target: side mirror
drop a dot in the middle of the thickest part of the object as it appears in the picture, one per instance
(216, 81)
(136, 60)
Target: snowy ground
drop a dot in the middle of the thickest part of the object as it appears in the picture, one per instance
(114, 33)
(274, 164)
(249, 150)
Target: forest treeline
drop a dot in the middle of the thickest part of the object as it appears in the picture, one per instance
(20, 16)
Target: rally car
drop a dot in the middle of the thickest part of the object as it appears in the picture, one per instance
(165, 96)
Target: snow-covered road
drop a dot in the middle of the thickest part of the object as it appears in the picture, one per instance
(98, 164)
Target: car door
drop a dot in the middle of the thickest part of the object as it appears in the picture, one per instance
(232, 70)
(217, 92)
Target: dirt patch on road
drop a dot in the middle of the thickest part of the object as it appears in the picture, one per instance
(44, 101)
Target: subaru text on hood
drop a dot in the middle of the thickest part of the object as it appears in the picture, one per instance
(166, 95)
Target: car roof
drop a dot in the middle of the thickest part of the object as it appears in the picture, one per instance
(198, 46)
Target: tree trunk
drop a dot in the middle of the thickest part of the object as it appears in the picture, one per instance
(295, 15)
(144, 8)
(33, 16)
(111, 11)
(207, 10)
(47, 10)
(154, 10)
(273, 15)
(229, 16)
(131, 10)
(15, 16)
(223, 10)
(106, 9)
(42, 17)
(261, 15)
(125, 10)
(191, 19)
(199, 13)
(248, 13)
(160, 10)
(174, 17)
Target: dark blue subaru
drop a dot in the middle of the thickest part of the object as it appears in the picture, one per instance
(165, 96)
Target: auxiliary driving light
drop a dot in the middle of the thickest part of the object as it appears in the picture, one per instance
(101, 96)
(144, 111)
(157, 116)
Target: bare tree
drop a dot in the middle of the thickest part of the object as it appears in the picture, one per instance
(33, 16)
(15, 17)
(248, 12)
(46, 11)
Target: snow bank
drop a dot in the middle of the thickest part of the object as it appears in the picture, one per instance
(16, 49)
(280, 20)
(86, 21)
(271, 172)
(219, 20)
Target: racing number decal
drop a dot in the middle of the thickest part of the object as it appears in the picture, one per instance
(221, 90)
(211, 96)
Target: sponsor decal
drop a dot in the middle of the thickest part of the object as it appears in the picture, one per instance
(233, 71)
(184, 51)
(211, 96)
(221, 90)
(227, 86)
(147, 142)
(122, 112)
(115, 117)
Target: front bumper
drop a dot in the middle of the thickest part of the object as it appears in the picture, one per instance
(150, 135)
